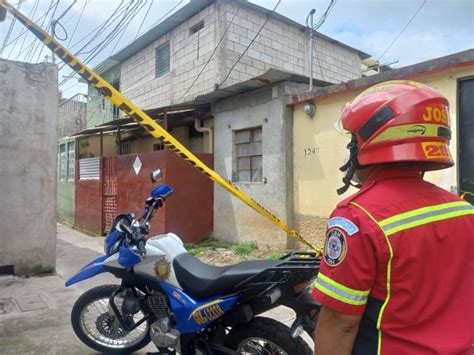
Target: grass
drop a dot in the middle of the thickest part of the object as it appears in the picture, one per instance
(241, 249)
(275, 255)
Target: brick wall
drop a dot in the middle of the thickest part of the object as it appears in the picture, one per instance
(279, 45)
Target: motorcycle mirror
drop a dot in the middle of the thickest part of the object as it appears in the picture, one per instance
(156, 175)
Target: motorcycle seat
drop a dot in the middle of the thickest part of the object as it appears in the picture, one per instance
(201, 280)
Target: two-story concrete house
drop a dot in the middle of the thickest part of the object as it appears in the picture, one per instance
(215, 74)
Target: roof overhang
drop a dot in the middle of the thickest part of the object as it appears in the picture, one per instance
(271, 76)
(459, 59)
(174, 114)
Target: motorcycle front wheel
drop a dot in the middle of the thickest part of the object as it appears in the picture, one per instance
(99, 329)
(266, 336)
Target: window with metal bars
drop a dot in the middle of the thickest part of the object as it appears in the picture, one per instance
(70, 161)
(162, 60)
(248, 155)
(62, 162)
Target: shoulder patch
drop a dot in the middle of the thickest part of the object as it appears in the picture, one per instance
(344, 224)
(335, 248)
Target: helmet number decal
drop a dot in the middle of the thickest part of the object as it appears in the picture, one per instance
(435, 114)
(435, 150)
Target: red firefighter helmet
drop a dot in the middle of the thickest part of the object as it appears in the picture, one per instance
(398, 121)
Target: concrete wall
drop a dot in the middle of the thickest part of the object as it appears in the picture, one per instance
(233, 220)
(319, 151)
(99, 109)
(71, 117)
(28, 141)
(279, 45)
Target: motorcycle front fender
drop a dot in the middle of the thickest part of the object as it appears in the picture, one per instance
(89, 270)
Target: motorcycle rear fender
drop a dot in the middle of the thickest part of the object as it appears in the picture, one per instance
(89, 270)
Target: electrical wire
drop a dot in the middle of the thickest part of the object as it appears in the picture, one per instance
(164, 16)
(251, 42)
(31, 15)
(40, 44)
(212, 54)
(128, 15)
(97, 32)
(36, 42)
(10, 29)
(317, 60)
(402, 30)
(25, 31)
(126, 26)
(78, 21)
(325, 15)
(31, 44)
(144, 18)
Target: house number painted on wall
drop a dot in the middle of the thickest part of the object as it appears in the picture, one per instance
(310, 151)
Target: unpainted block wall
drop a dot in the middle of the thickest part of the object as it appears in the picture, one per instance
(279, 46)
(233, 220)
(28, 141)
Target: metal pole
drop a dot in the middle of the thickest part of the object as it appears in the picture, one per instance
(53, 34)
(309, 23)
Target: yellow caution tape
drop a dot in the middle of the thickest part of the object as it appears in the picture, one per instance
(146, 121)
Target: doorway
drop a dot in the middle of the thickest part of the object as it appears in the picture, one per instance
(466, 138)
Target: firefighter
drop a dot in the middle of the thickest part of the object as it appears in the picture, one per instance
(397, 275)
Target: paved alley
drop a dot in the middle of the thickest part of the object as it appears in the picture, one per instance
(35, 317)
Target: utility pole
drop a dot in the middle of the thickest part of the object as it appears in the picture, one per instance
(309, 24)
(53, 34)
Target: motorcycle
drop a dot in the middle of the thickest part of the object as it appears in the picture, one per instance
(185, 306)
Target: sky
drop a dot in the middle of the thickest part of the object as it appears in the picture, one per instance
(440, 28)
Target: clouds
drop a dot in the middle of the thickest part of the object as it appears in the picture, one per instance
(442, 27)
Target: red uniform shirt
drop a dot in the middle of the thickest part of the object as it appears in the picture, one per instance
(400, 253)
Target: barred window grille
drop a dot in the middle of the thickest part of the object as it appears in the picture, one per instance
(248, 155)
(62, 162)
(162, 60)
(70, 161)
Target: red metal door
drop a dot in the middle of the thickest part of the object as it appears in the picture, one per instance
(109, 191)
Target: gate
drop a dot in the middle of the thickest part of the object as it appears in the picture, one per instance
(109, 192)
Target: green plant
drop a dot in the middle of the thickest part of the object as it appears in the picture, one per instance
(275, 255)
(244, 248)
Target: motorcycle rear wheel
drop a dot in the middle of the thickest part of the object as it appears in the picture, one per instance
(266, 336)
(118, 344)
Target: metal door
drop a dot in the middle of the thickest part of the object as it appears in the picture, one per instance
(110, 192)
(466, 138)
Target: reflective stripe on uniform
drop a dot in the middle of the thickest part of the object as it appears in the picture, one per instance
(409, 220)
(425, 215)
(340, 292)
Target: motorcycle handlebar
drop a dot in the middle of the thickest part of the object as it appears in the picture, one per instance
(136, 238)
